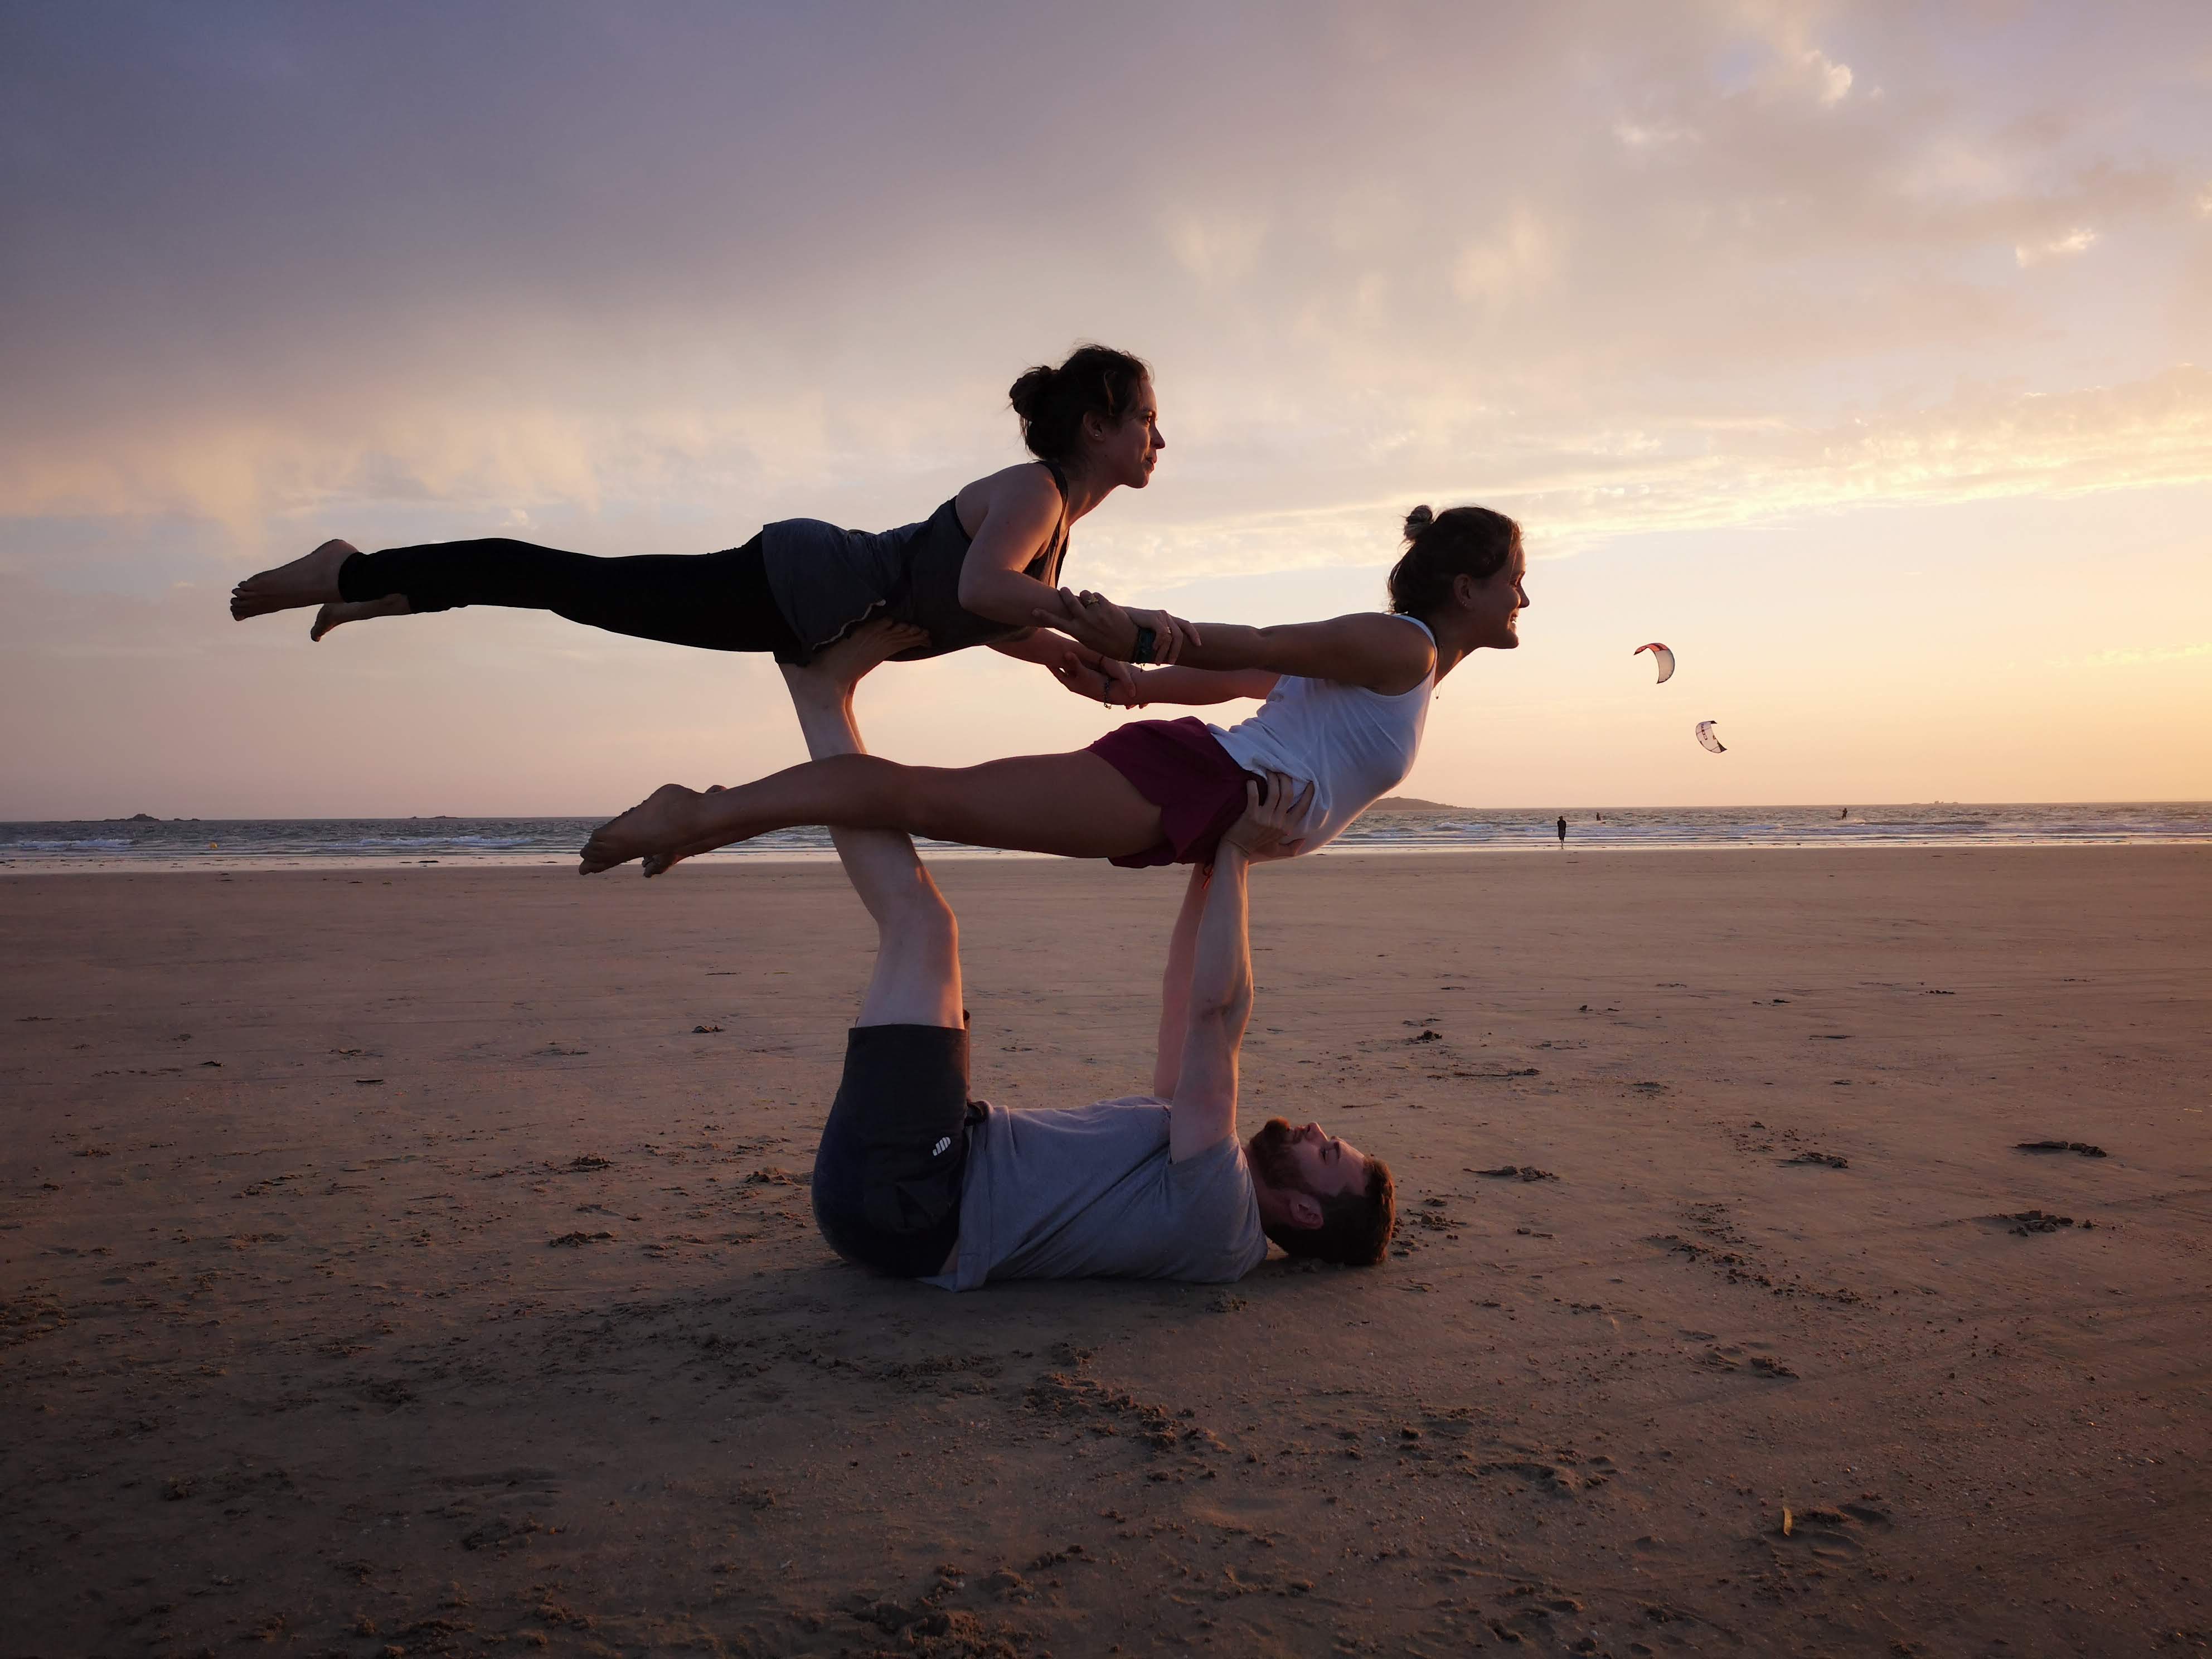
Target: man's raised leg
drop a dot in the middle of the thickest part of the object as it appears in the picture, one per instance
(888, 1172)
(917, 976)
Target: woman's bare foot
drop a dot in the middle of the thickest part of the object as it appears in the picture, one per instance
(311, 579)
(665, 820)
(663, 831)
(660, 863)
(332, 616)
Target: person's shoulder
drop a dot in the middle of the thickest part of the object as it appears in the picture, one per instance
(1400, 650)
(1221, 1166)
(1024, 486)
(1395, 632)
(1217, 1212)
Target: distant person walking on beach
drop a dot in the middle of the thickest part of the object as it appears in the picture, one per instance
(973, 573)
(916, 1180)
(1562, 831)
(1347, 703)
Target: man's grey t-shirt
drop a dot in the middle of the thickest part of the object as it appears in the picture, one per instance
(1089, 1192)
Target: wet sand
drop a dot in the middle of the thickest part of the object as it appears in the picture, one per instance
(390, 1262)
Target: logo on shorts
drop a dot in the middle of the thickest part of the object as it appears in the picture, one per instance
(944, 1145)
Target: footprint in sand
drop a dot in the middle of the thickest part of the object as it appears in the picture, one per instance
(1832, 1534)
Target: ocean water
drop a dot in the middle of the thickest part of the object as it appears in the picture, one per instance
(147, 843)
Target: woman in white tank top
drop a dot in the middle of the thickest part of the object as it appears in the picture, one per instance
(1353, 744)
(1346, 702)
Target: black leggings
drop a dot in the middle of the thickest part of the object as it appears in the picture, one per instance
(716, 601)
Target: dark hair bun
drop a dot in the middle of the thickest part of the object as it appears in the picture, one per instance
(1460, 541)
(1032, 393)
(1052, 403)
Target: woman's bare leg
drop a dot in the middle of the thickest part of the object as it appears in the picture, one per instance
(1075, 805)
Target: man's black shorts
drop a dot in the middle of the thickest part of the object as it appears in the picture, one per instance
(887, 1175)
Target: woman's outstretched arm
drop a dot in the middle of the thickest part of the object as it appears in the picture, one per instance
(1117, 685)
(1198, 685)
(1368, 649)
(1081, 670)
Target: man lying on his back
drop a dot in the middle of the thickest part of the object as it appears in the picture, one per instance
(916, 1180)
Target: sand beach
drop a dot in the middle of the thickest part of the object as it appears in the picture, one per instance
(418, 1261)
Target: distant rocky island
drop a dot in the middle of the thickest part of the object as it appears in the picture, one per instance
(1412, 803)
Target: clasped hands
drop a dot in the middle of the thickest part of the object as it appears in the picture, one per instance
(1117, 631)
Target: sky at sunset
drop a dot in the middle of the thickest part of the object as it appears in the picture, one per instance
(1862, 353)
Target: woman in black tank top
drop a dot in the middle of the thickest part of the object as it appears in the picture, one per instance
(974, 572)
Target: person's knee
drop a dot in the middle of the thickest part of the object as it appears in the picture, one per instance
(877, 792)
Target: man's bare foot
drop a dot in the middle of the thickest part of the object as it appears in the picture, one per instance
(664, 821)
(332, 616)
(837, 668)
(311, 579)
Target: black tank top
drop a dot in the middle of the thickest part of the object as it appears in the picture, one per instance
(826, 580)
(931, 595)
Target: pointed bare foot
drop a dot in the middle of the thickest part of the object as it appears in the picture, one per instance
(332, 616)
(311, 579)
(665, 820)
(660, 863)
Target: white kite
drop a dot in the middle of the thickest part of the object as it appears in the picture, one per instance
(1706, 736)
(1661, 655)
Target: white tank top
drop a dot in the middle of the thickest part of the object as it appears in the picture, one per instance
(1354, 745)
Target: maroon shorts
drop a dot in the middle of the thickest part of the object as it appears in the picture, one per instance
(1182, 769)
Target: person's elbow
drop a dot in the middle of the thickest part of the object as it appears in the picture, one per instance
(997, 594)
(1222, 1013)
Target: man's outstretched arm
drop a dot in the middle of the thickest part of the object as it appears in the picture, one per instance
(1174, 985)
(1219, 1006)
(1218, 987)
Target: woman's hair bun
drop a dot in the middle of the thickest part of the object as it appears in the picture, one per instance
(1052, 403)
(1030, 394)
(1460, 541)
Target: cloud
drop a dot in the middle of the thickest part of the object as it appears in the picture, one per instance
(1509, 265)
(1687, 476)
(1830, 82)
(655, 306)
(1215, 246)
(2080, 240)
(1650, 135)
(2130, 657)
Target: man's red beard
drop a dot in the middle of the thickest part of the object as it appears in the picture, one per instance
(1269, 1154)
